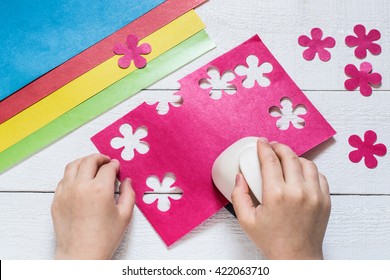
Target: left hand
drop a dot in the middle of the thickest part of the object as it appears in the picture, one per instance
(88, 222)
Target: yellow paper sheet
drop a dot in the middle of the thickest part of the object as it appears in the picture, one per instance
(92, 82)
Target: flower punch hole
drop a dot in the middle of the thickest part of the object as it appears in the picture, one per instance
(164, 105)
(366, 149)
(287, 114)
(364, 42)
(162, 191)
(218, 83)
(254, 73)
(316, 45)
(131, 141)
(364, 78)
(132, 52)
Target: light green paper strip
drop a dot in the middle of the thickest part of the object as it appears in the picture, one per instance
(160, 67)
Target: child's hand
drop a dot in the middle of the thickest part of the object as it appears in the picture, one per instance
(88, 222)
(291, 222)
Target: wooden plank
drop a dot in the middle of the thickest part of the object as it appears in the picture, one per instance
(359, 229)
(349, 113)
(279, 23)
(359, 226)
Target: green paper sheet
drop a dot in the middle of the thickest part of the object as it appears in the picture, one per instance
(157, 69)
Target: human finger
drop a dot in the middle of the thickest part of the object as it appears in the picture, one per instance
(242, 202)
(71, 169)
(310, 171)
(271, 169)
(291, 165)
(106, 174)
(126, 200)
(90, 165)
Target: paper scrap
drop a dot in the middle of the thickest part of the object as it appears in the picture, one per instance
(366, 149)
(316, 45)
(132, 52)
(364, 42)
(364, 79)
(186, 140)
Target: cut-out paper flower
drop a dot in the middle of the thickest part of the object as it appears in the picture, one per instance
(217, 83)
(364, 42)
(132, 52)
(316, 45)
(162, 192)
(130, 141)
(254, 72)
(164, 105)
(287, 114)
(364, 79)
(366, 149)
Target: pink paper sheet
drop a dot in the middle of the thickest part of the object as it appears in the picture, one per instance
(188, 139)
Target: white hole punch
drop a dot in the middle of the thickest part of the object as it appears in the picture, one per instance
(239, 157)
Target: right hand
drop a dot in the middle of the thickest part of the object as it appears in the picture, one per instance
(292, 220)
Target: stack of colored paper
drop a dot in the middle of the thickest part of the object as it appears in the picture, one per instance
(59, 69)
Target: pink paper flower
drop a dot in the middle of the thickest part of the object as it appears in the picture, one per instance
(132, 52)
(316, 45)
(366, 149)
(364, 78)
(364, 42)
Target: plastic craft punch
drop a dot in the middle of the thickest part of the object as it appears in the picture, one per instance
(239, 157)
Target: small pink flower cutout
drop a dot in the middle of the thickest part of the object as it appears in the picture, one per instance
(132, 52)
(364, 42)
(316, 45)
(364, 78)
(366, 149)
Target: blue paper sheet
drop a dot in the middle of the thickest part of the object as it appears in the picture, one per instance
(37, 36)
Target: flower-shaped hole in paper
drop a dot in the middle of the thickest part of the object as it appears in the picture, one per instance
(364, 42)
(287, 114)
(366, 149)
(255, 72)
(163, 191)
(163, 106)
(132, 52)
(316, 45)
(364, 79)
(130, 141)
(218, 84)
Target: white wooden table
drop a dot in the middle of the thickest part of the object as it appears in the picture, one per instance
(359, 226)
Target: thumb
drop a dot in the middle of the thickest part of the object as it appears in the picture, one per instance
(242, 202)
(126, 199)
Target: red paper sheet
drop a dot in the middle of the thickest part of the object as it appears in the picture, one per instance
(90, 58)
(186, 140)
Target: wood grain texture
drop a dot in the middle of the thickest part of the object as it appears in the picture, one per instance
(358, 229)
(347, 112)
(360, 225)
